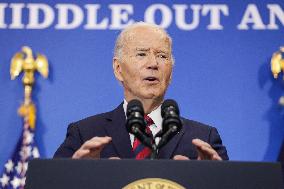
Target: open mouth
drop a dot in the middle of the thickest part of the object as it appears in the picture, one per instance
(151, 79)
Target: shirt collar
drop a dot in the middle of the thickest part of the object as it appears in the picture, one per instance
(155, 115)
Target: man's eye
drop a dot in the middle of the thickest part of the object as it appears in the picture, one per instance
(163, 56)
(141, 54)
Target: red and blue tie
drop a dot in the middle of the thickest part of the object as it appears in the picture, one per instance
(140, 150)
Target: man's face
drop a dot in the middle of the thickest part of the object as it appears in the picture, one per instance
(145, 67)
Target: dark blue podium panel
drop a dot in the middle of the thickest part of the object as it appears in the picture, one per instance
(112, 174)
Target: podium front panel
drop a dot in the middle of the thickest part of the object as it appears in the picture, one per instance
(115, 174)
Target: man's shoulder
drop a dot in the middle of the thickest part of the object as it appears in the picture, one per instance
(93, 118)
(100, 118)
(191, 124)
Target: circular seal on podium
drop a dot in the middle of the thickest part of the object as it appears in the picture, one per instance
(153, 183)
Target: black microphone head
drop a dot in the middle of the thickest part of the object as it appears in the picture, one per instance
(135, 117)
(170, 115)
(134, 105)
(171, 121)
(169, 103)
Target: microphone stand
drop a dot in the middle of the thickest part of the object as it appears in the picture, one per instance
(154, 153)
(164, 139)
(146, 141)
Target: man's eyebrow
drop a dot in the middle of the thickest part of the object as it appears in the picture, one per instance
(142, 49)
(162, 51)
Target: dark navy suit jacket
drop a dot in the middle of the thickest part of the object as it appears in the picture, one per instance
(113, 124)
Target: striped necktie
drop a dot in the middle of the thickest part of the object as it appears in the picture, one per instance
(140, 150)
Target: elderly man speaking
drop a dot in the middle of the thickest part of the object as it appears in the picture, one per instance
(143, 63)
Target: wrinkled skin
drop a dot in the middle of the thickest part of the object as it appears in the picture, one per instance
(145, 67)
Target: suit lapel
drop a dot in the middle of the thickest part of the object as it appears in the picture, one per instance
(167, 151)
(120, 137)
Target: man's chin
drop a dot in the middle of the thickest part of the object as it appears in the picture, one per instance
(153, 96)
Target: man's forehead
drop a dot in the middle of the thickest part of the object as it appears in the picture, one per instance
(143, 32)
(148, 29)
(139, 39)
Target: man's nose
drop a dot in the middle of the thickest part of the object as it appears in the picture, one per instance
(152, 61)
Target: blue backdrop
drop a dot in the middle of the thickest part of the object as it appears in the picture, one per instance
(221, 75)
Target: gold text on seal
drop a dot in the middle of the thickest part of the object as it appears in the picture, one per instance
(153, 183)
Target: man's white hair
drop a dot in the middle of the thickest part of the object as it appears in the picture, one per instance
(124, 34)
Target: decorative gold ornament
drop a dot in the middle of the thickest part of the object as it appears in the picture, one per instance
(277, 65)
(153, 183)
(25, 62)
(281, 100)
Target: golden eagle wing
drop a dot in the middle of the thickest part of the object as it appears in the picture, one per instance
(275, 64)
(16, 65)
(42, 65)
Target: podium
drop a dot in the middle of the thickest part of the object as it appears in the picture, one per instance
(152, 174)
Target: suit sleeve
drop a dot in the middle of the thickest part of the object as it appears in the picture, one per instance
(216, 143)
(71, 143)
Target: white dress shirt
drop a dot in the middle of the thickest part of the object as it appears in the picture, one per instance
(155, 115)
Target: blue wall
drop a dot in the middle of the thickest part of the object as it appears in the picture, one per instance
(221, 76)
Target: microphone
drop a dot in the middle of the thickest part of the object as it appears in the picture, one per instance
(135, 123)
(171, 122)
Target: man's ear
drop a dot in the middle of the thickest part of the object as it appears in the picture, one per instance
(171, 76)
(117, 69)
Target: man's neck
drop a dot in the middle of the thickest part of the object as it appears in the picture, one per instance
(148, 104)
